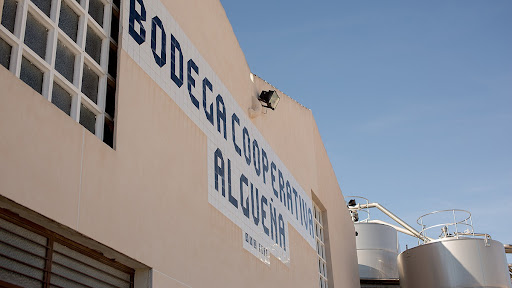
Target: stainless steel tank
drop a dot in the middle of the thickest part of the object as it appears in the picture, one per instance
(377, 251)
(451, 262)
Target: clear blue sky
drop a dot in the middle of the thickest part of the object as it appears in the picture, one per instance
(413, 99)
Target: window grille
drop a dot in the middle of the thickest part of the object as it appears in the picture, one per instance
(66, 50)
(32, 256)
(320, 247)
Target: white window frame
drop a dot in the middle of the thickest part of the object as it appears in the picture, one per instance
(47, 66)
(320, 246)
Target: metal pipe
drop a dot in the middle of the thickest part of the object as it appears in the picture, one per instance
(394, 217)
(399, 229)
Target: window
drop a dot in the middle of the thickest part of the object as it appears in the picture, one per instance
(320, 246)
(32, 256)
(63, 50)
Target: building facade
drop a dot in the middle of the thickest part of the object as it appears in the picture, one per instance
(135, 153)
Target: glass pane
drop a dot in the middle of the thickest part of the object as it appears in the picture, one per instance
(96, 8)
(117, 3)
(36, 35)
(108, 132)
(90, 84)
(110, 103)
(87, 118)
(31, 75)
(93, 45)
(65, 61)
(114, 27)
(44, 5)
(112, 61)
(61, 98)
(5, 53)
(9, 14)
(68, 21)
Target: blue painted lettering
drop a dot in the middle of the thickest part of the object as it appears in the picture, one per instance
(175, 46)
(234, 118)
(264, 213)
(264, 164)
(135, 16)
(208, 112)
(221, 115)
(256, 159)
(247, 146)
(273, 177)
(232, 199)
(191, 82)
(282, 195)
(255, 218)
(219, 171)
(160, 58)
(245, 208)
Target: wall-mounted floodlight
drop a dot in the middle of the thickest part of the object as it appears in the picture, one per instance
(270, 98)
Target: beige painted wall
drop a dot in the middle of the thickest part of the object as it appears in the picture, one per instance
(148, 198)
(40, 150)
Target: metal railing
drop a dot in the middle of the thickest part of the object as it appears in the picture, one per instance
(459, 224)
